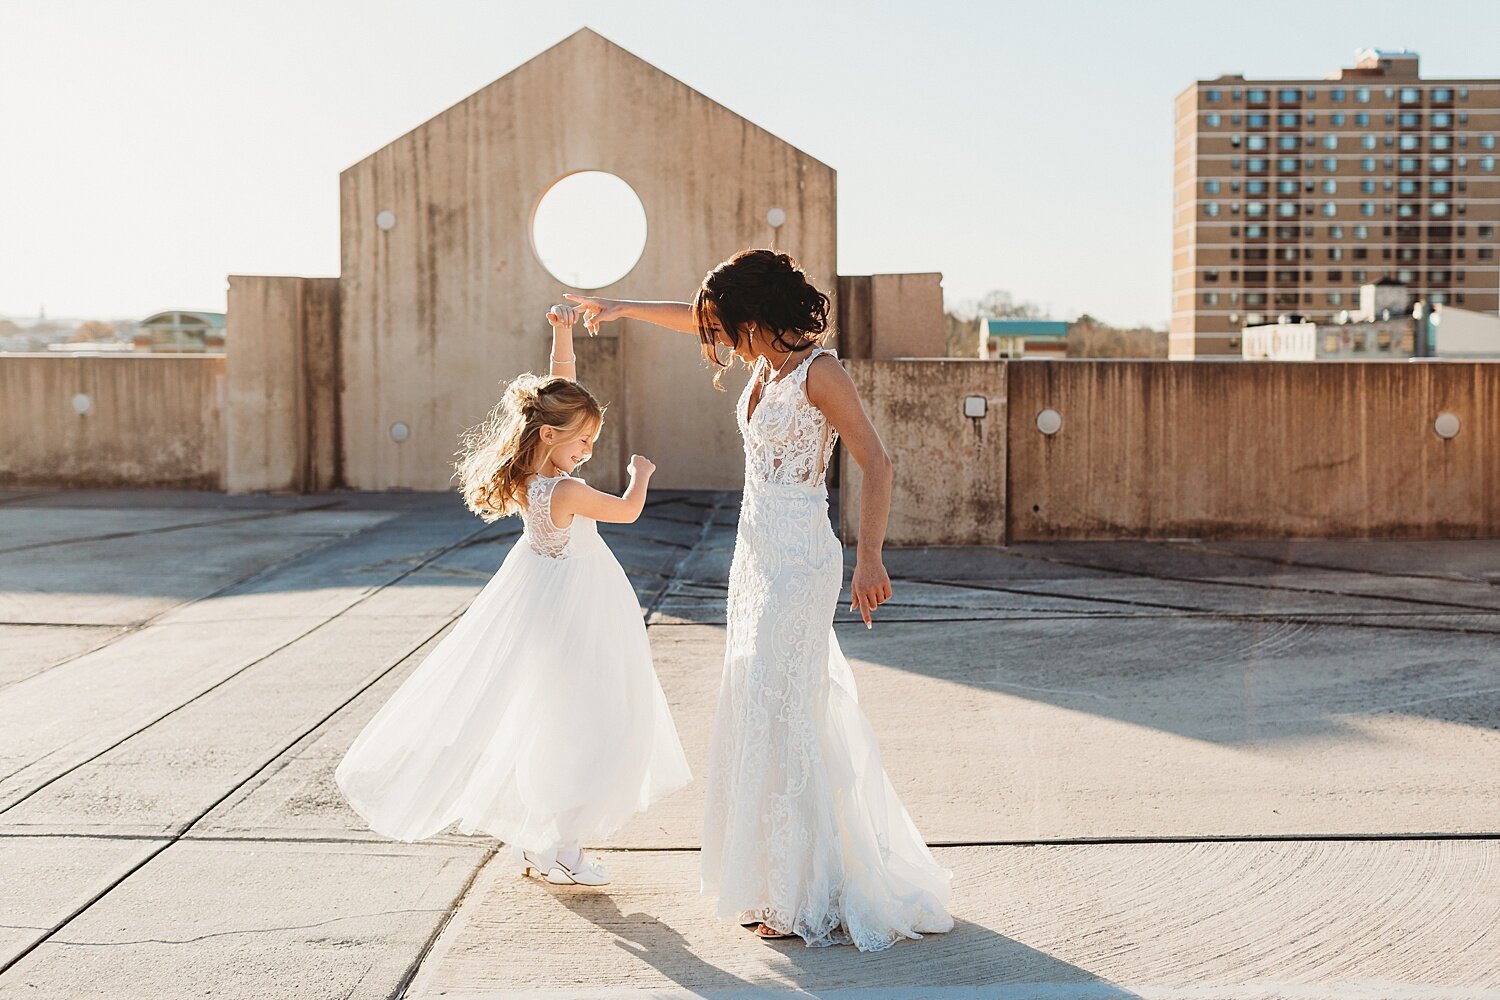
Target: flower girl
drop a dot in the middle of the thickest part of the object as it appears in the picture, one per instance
(539, 718)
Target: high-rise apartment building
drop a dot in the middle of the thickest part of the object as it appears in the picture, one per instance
(1291, 194)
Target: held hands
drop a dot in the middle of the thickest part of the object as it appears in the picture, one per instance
(593, 310)
(641, 467)
(562, 317)
(870, 588)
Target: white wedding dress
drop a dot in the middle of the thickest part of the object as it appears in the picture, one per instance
(538, 719)
(803, 829)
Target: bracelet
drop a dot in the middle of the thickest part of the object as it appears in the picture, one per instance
(569, 361)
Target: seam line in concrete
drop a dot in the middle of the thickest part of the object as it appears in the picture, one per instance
(433, 555)
(235, 787)
(259, 516)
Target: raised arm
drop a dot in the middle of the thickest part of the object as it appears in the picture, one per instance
(564, 361)
(671, 315)
(831, 390)
(573, 496)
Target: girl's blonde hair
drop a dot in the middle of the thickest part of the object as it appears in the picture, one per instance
(497, 456)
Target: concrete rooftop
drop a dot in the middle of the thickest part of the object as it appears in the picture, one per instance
(1159, 770)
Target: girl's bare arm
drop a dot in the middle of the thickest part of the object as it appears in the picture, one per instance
(573, 496)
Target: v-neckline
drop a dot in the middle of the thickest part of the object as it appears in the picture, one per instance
(752, 405)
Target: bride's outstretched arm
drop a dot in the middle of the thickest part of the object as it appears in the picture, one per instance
(672, 315)
(831, 390)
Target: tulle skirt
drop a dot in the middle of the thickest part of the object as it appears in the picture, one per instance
(803, 828)
(537, 719)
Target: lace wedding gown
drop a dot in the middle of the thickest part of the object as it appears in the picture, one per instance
(803, 829)
(539, 718)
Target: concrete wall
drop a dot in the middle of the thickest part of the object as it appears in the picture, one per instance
(443, 307)
(1253, 449)
(884, 316)
(283, 374)
(950, 469)
(154, 420)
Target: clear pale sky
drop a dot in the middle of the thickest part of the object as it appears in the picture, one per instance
(152, 147)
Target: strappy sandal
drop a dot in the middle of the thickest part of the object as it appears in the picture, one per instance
(761, 931)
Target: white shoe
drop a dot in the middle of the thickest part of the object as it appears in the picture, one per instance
(587, 872)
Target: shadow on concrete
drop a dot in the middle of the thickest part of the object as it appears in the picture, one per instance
(970, 956)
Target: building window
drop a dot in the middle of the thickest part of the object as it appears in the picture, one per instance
(1441, 119)
(1485, 232)
(1211, 208)
(1439, 208)
(1367, 208)
(1410, 119)
(1211, 275)
(1442, 142)
(1336, 95)
(1366, 187)
(1256, 165)
(1443, 187)
(1361, 232)
(1330, 142)
(1408, 187)
(1442, 95)
(1211, 187)
(1255, 143)
(1255, 209)
(1289, 96)
(1212, 96)
(1258, 96)
(1258, 120)
(1335, 232)
(1335, 298)
(1286, 187)
(1288, 165)
(1407, 165)
(1213, 119)
(1255, 187)
(1362, 95)
(1367, 141)
(1487, 142)
(1410, 142)
(1486, 253)
(1463, 93)
(1331, 165)
(1284, 142)
(1287, 209)
(1337, 118)
(1410, 95)
(1441, 164)
(1335, 253)
(1287, 119)
(1330, 186)
(1210, 298)
(1486, 163)
(1234, 140)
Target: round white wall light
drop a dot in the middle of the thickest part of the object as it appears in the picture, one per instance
(1049, 422)
(82, 403)
(1446, 425)
(400, 432)
(385, 220)
(776, 217)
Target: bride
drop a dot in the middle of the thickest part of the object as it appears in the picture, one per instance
(804, 835)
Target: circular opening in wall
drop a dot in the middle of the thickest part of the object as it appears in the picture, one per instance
(589, 229)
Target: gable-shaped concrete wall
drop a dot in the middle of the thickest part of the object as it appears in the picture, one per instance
(441, 308)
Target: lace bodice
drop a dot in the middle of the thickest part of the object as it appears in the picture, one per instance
(788, 440)
(541, 534)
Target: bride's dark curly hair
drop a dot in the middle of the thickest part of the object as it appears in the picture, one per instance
(765, 288)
